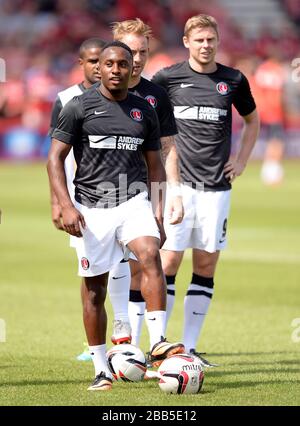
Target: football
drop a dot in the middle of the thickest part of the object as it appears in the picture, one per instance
(127, 363)
(181, 373)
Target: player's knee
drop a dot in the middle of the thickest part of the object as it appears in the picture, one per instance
(95, 293)
(149, 257)
(95, 299)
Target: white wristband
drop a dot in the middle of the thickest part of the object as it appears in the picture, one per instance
(175, 191)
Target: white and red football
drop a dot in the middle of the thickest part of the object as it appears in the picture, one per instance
(181, 373)
(127, 363)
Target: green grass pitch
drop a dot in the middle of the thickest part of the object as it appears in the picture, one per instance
(248, 330)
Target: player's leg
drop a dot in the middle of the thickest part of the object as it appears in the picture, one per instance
(171, 261)
(97, 252)
(137, 305)
(139, 232)
(178, 239)
(93, 294)
(85, 355)
(146, 249)
(198, 296)
(118, 290)
(209, 237)
(153, 289)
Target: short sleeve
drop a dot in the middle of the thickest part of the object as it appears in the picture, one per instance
(152, 141)
(160, 78)
(57, 107)
(69, 122)
(165, 115)
(243, 99)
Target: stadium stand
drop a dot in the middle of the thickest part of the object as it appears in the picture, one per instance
(39, 41)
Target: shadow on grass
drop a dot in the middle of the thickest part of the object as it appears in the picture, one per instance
(254, 353)
(4, 367)
(42, 383)
(282, 362)
(248, 384)
(215, 373)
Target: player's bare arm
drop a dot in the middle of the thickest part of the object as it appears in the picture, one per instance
(72, 218)
(157, 180)
(170, 159)
(234, 168)
(55, 210)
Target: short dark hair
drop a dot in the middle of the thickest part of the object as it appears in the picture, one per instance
(90, 43)
(118, 43)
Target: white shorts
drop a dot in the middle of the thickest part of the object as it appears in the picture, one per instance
(100, 247)
(204, 223)
(70, 169)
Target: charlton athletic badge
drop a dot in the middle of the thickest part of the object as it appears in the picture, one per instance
(136, 114)
(222, 88)
(152, 100)
(85, 263)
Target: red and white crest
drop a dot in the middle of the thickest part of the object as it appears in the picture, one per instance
(152, 100)
(136, 114)
(222, 88)
(85, 263)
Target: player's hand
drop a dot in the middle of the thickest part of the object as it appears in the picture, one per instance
(175, 210)
(162, 233)
(233, 169)
(57, 216)
(72, 219)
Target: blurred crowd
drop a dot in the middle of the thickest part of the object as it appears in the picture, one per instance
(39, 42)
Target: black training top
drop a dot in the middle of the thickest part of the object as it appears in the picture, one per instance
(154, 94)
(202, 107)
(62, 98)
(159, 100)
(108, 139)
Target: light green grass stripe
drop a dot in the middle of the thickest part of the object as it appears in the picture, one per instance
(261, 257)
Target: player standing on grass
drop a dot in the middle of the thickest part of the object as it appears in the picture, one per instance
(202, 92)
(136, 34)
(112, 132)
(89, 56)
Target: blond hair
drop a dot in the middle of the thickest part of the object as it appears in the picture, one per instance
(200, 21)
(131, 26)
